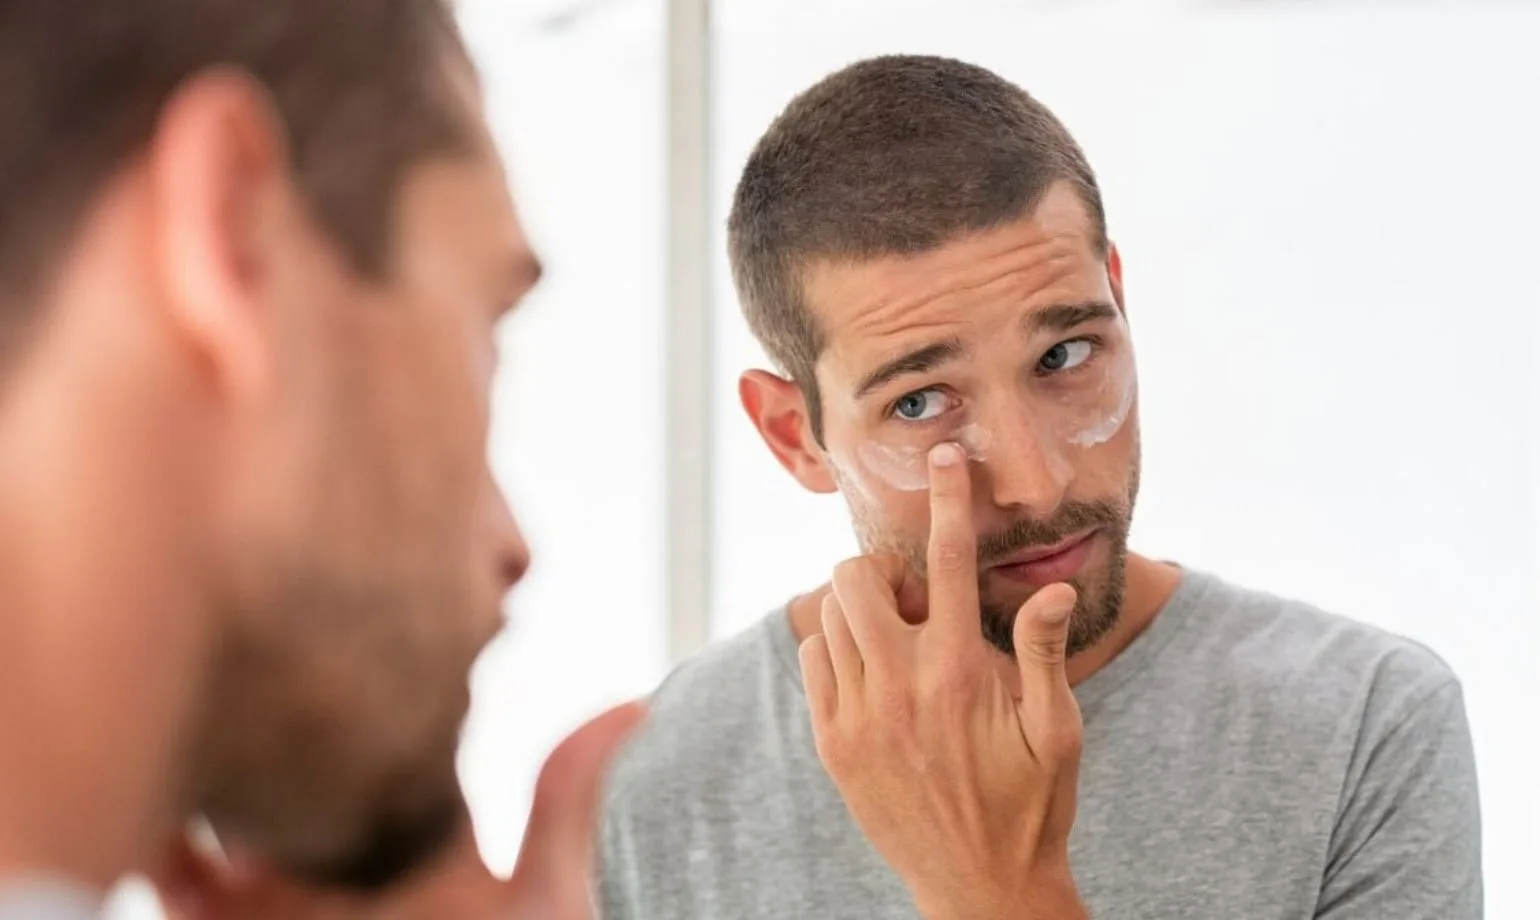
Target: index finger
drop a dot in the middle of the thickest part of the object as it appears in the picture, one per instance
(951, 561)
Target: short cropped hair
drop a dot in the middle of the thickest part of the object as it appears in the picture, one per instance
(894, 155)
(363, 88)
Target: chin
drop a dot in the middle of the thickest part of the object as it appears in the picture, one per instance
(1098, 605)
(402, 824)
(397, 842)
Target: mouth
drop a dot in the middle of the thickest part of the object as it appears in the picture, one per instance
(1045, 565)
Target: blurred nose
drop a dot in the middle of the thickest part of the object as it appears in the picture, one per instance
(1025, 465)
(512, 552)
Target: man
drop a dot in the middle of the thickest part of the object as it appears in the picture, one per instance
(1000, 711)
(251, 258)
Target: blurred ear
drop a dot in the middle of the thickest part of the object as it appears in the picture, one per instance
(1115, 274)
(221, 178)
(777, 408)
(196, 884)
(192, 885)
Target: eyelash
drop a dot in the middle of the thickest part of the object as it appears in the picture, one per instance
(1095, 341)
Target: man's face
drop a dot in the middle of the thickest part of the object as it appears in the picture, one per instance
(1013, 344)
(373, 548)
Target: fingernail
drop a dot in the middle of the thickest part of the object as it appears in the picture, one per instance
(946, 454)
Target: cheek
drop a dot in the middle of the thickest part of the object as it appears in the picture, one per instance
(427, 389)
(900, 469)
(1107, 468)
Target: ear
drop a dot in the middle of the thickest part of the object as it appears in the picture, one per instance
(1115, 274)
(220, 174)
(192, 884)
(777, 408)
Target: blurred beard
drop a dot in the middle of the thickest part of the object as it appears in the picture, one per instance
(398, 842)
(288, 771)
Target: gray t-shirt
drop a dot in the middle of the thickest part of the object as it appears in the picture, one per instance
(1246, 758)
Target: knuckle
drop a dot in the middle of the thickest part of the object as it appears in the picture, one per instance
(844, 570)
(952, 556)
(831, 746)
(948, 684)
(894, 705)
(1048, 649)
(1064, 741)
(889, 565)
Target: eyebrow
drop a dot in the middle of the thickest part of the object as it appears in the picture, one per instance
(1066, 316)
(919, 361)
(1056, 318)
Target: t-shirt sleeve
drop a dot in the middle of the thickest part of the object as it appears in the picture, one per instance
(1407, 844)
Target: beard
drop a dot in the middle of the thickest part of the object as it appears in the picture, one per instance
(331, 734)
(322, 806)
(398, 839)
(1099, 592)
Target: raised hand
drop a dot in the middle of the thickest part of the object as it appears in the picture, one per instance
(965, 790)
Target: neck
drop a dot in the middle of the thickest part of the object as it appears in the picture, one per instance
(1148, 586)
(100, 647)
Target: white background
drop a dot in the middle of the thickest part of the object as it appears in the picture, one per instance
(1326, 212)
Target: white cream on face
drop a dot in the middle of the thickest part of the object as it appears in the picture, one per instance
(1122, 384)
(1061, 427)
(906, 469)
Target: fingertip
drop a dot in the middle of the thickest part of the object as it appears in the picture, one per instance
(1042, 622)
(568, 789)
(586, 752)
(945, 455)
(1058, 604)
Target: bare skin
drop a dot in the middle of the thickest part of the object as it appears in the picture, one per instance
(954, 648)
(253, 545)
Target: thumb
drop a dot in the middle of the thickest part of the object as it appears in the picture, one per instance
(1041, 637)
(554, 860)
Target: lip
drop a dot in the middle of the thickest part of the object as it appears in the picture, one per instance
(1046, 565)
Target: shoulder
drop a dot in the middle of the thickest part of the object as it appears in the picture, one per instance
(1309, 661)
(713, 709)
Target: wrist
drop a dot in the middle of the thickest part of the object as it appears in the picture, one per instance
(1046, 896)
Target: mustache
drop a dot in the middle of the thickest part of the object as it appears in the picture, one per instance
(1070, 518)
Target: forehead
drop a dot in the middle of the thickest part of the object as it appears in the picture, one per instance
(972, 283)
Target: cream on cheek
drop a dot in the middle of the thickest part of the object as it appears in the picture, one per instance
(1059, 430)
(1109, 412)
(904, 468)
(1054, 416)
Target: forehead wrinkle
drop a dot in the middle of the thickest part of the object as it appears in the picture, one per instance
(1000, 279)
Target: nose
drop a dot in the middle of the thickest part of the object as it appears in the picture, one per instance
(507, 539)
(1025, 466)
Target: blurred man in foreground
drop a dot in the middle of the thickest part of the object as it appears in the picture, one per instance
(251, 259)
(1049, 726)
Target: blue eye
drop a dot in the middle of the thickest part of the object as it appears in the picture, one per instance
(1065, 356)
(920, 406)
